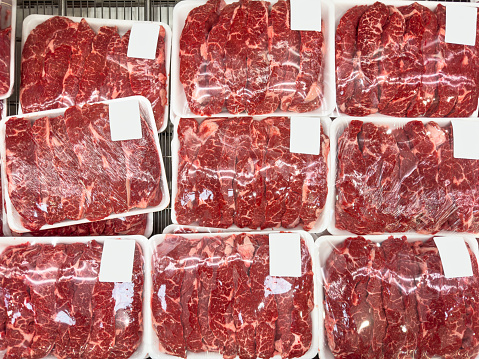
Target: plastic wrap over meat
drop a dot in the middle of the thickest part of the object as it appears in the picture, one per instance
(214, 294)
(395, 61)
(392, 300)
(244, 58)
(68, 168)
(54, 304)
(5, 49)
(240, 171)
(131, 225)
(399, 177)
(66, 63)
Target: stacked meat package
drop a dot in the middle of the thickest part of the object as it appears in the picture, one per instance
(67, 167)
(396, 61)
(243, 57)
(66, 63)
(213, 294)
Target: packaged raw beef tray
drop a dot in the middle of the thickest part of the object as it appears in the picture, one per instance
(73, 61)
(392, 58)
(61, 167)
(241, 172)
(7, 46)
(214, 294)
(243, 58)
(399, 297)
(398, 175)
(56, 301)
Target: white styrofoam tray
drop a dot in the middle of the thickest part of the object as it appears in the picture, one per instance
(325, 216)
(179, 105)
(174, 227)
(337, 128)
(11, 20)
(142, 351)
(13, 217)
(154, 241)
(8, 232)
(324, 246)
(32, 21)
(341, 6)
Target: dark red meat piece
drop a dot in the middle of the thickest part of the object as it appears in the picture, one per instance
(258, 62)
(192, 61)
(236, 54)
(22, 173)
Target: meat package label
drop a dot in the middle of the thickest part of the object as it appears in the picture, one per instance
(117, 260)
(465, 138)
(461, 24)
(143, 40)
(455, 258)
(284, 255)
(305, 135)
(125, 122)
(306, 15)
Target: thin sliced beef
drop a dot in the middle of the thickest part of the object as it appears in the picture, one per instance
(262, 290)
(148, 77)
(95, 67)
(41, 282)
(168, 275)
(129, 311)
(215, 67)
(102, 334)
(22, 173)
(185, 201)
(192, 61)
(50, 198)
(220, 307)
(236, 61)
(249, 179)
(80, 51)
(309, 83)
(96, 182)
(257, 54)
(345, 51)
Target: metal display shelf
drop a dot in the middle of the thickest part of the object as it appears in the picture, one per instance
(140, 10)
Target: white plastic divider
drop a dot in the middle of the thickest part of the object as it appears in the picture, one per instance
(341, 6)
(142, 351)
(179, 104)
(8, 16)
(324, 246)
(154, 350)
(325, 216)
(32, 21)
(13, 217)
(337, 128)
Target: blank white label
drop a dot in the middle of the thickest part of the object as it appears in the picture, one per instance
(125, 122)
(285, 255)
(465, 133)
(117, 260)
(461, 24)
(143, 40)
(305, 135)
(455, 258)
(305, 15)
